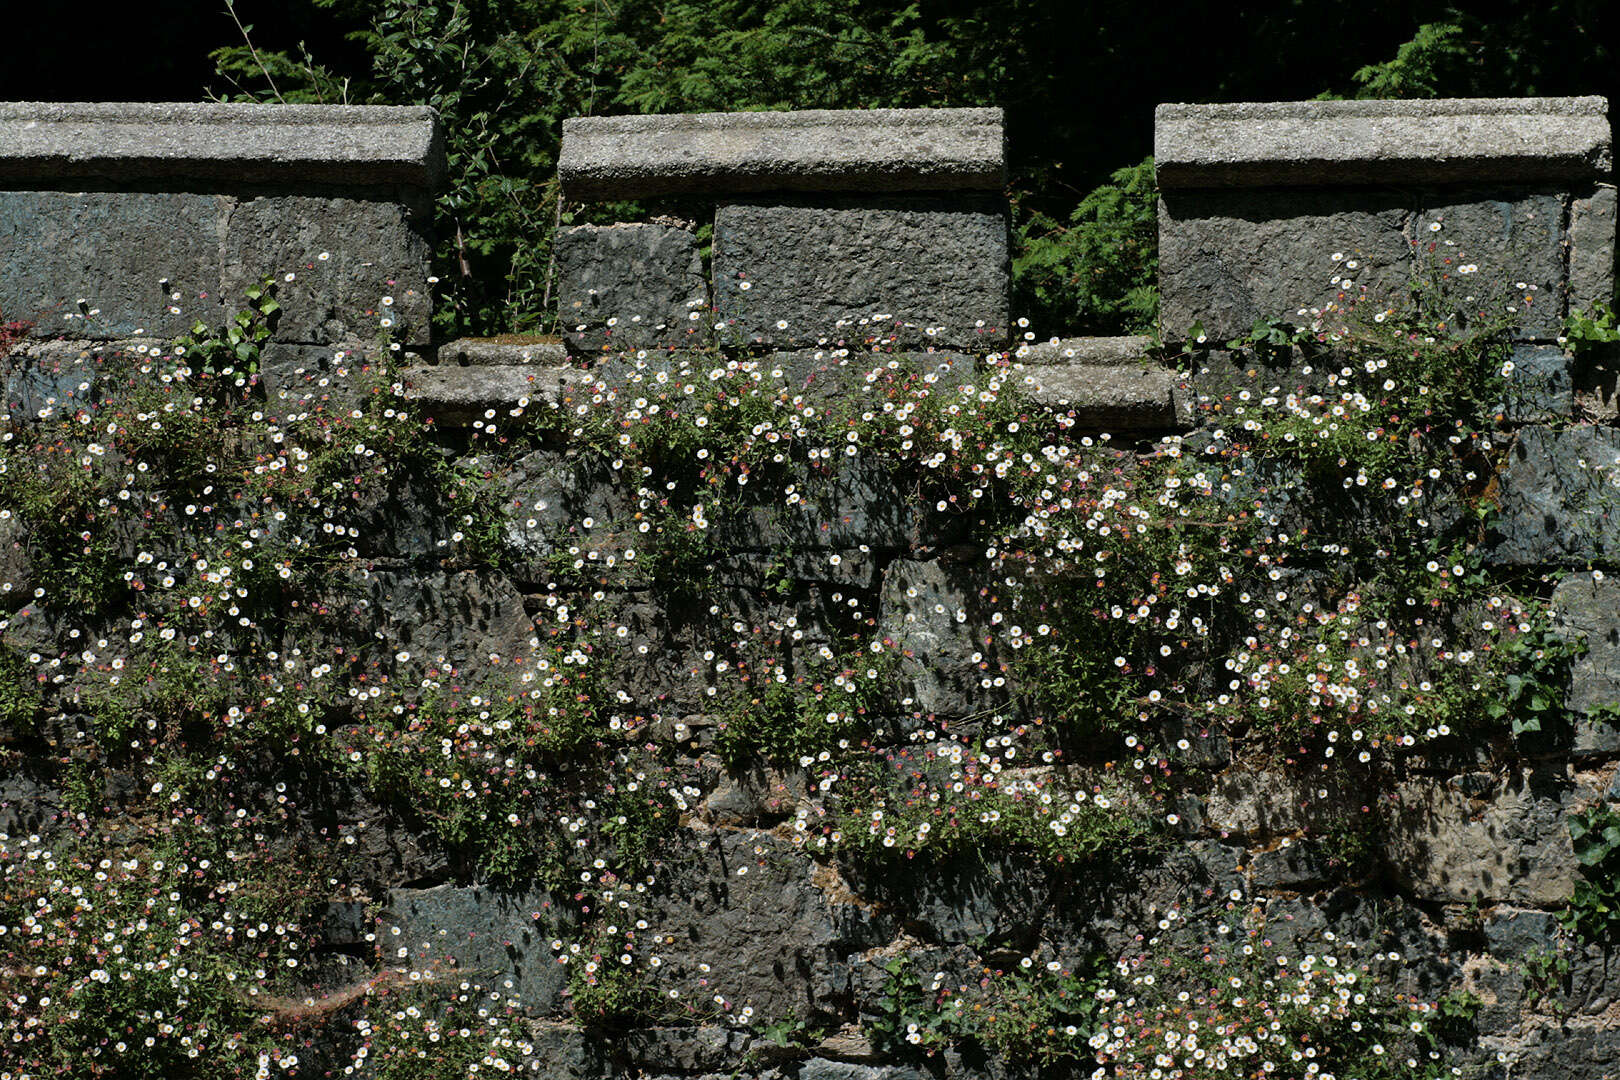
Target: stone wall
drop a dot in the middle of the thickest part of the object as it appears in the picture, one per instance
(854, 261)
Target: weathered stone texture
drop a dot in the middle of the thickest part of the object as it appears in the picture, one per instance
(122, 253)
(628, 157)
(1511, 238)
(1557, 494)
(1591, 248)
(457, 932)
(375, 273)
(244, 143)
(793, 274)
(1143, 397)
(646, 279)
(931, 611)
(1227, 259)
(458, 396)
(1541, 386)
(1509, 842)
(1457, 140)
(1586, 609)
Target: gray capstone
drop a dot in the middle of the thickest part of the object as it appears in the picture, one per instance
(1228, 259)
(244, 143)
(1591, 248)
(515, 351)
(913, 269)
(1126, 351)
(622, 287)
(1376, 142)
(122, 253)
(1557, 494)
(371, 283)
(864, 150)
(483, 935)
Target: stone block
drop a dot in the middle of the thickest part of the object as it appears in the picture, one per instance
(457, 396)
(863, 150)
(245, 143)
(1591, 248)
(371, 283)
(507, 351)
(1556, 497)
(307, 378)
(932, 612)
(482, 935)
(1126, 351)
(1510, 843)
(1144, 397)
(1377, 142)
(741, 920)
(122, 253)
(51, 378)
(1586, 609)
(1541, 386)
(1512, 238)
(407, 624)
(922, 269)
(1228, 259)
(623, 287)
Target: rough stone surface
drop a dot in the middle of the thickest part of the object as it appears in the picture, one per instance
(115, 251)
(458, 931)
(1125, 351)
(304, 144)
(457, 396)
(375, 274)
(1541, 386)
(1591, 248)
(1465, 140)
(1511, 237)
(49, 378)
(437, 620)
(1144, 397)
(931, 612)
(308, 377)
(1227, 259)
(503, 352)
(629, 157)
(813, 270)
(1509, 842)
(1557, 494)
(1587, 609)
(743, 903)
(646, 279)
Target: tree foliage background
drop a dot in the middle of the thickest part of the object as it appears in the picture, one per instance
(1079, 81)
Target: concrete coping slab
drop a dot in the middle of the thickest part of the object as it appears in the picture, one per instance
(1447, 140)
(300, 144)
(1096, 351)
(859, 150)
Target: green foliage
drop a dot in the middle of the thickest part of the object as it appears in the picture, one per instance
(1424, 67)
(235, 348)
(1593, 914)
(1590, 331)
(1534, 679)
(1100, 270)
(1545, 978)
(907, 1018)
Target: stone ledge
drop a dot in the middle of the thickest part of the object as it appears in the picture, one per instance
(493, 352)
(456, 396)
(1110, 397)
(299, 144)
(1097, 351)
(623, 157)
(1450, 140)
